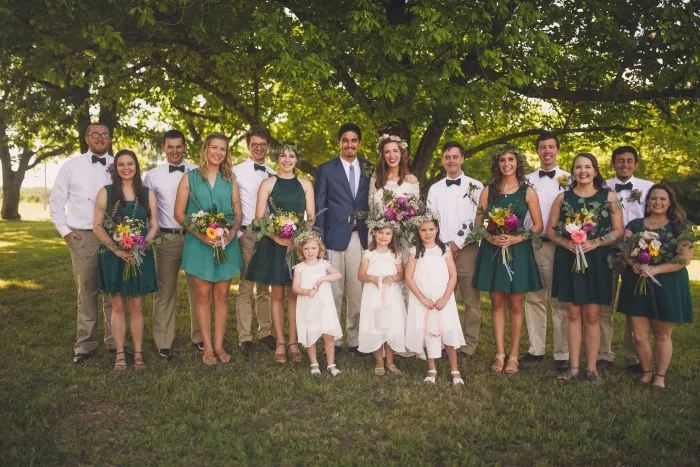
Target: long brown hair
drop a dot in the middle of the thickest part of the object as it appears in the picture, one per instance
(598, 180)
(117, 190)
(382, 172)
(420, 248)
(225, 167)
(497, 176)
(393, 244)
(675, 213)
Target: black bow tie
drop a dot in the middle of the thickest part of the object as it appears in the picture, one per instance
(259, 167)
(172, 168)
(101, 160)
(549, 174)
(457, 182)
(623, 186)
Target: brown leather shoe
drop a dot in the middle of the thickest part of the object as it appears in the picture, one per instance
(248, 348)
(269, 342)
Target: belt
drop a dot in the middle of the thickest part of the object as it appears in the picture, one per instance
(173, 231)
(545, 239)
(80, 230)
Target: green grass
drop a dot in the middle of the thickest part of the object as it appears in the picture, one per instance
(256, 412)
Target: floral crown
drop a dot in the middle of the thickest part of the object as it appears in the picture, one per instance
(423, 218)
(295, 148)
(511, 148)
(386, 138)
(382, 222)
(305, 235)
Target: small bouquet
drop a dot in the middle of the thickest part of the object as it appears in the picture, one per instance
(401, 209)
(214, 225)
(646, 250)
(580, 226)
(129, 238)
(281, 223)
(503, 221)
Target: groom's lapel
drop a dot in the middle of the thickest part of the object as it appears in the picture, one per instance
(364, 181)
(343, 179)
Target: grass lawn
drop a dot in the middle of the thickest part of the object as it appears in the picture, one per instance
(257, 412)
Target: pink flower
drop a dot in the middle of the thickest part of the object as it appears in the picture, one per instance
(139, 240)
(579, 237)
(587, 227)
(389, 214)
(643, 257)
(401, 201)
(287, 231)
(511, 223)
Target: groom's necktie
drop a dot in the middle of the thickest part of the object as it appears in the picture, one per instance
(352, 181)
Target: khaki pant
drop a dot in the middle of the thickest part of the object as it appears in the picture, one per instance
(83, 254)
(606, 327)
(168, 259)
(348, 263)
(471, 322)
(536, 310)
(249, 291)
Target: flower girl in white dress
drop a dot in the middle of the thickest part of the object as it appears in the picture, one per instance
(433, 320)
(316, 313)
(382, 310)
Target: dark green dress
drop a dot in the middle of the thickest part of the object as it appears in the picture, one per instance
(110, 268)
(671, 302)
(491, 274)
(595, 285)
(269, 262)
(198, 257)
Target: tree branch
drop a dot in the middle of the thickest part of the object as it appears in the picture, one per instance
(536, 131)
(53, 153)
(605, 95)
(191, 113)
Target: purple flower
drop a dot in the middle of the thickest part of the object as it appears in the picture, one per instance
(389, 214)
(287, 231)
(401, 201)
(643, 257)
(511, 223)
(587, 227)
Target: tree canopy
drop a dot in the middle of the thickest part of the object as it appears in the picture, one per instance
(598, 73)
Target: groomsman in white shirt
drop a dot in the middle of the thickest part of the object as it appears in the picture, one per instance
(632, 192)
(456, 198)
(163, 181)
(250, 174)
(548, 181)
(72, 207)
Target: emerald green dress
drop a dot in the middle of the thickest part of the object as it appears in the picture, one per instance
(595, 285)
(670, 302)
(198, 257)
(110, 268)
(269, 263)
(491, 274)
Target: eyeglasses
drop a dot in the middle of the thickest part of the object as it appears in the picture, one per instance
(258, 145)
(100, 135)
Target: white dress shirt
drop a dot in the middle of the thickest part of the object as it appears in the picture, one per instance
(164, 184)
(547, 190)
(456, 204)
(74, 193)
(631, 209)
(358, 173)
(249, 181)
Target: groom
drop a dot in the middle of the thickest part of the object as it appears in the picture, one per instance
(342, 188)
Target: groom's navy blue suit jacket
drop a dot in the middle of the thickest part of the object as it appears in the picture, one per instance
(333, 193)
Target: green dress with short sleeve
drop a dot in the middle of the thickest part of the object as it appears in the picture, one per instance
(595, 285)
(670, 302)
(269, 263)
(110, 268)
(491, 274)
(198, 257)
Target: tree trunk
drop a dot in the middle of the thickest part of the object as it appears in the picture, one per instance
(423, 157)
(11, 184)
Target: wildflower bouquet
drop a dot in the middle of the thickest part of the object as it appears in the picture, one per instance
(214, 225)
(645, 248)
(502, 220)
(401, 209)
(129, 238)
(581, 225)
(281, 223)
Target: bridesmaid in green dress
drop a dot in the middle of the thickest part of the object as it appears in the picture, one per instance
(286, 192)
(213, 183)
(508, 189)
(126, 197)
(662, 306)
(583, 293)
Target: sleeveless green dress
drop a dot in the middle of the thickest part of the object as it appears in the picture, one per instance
(491, 274)
(269, 262)
(671, 302)
(595, 285)
(198, 257)
(110, 268)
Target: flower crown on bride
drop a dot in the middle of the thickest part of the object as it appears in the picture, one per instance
(387, 138)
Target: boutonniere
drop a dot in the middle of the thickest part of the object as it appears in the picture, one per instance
(367, 169)
(471, 188)
(564, 182)
(635, 196)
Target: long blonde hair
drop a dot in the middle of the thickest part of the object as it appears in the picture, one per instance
(225, 167)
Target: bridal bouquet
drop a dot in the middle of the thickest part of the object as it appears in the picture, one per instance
(214, 225)
(401, 209)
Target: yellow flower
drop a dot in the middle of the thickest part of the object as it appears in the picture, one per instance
(211, 233)
(653, 252)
